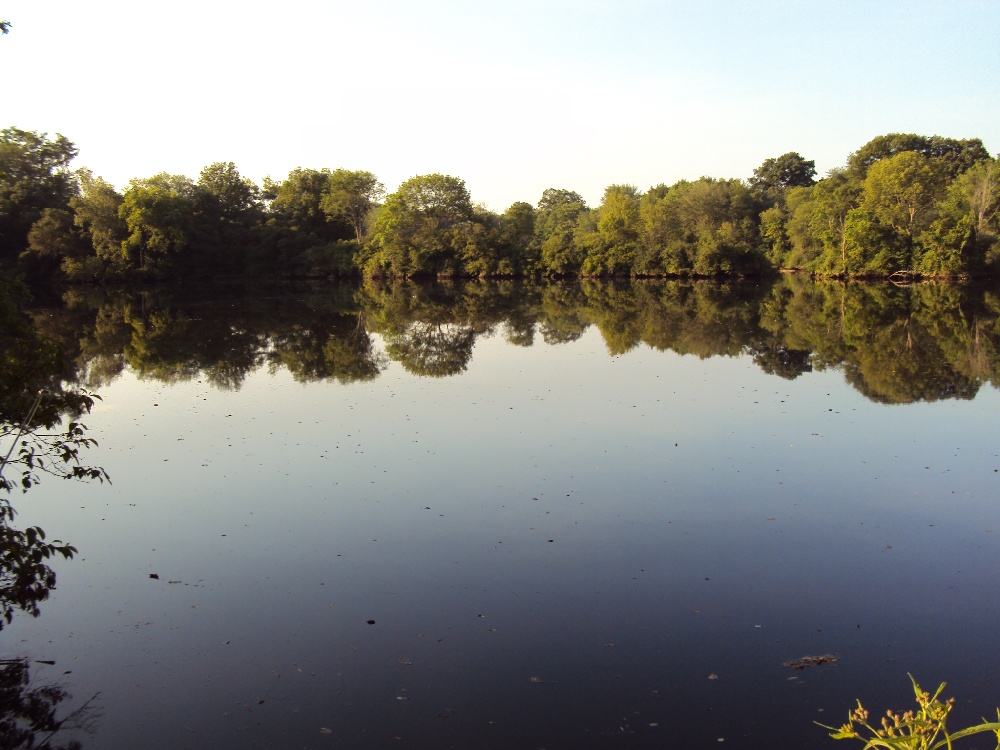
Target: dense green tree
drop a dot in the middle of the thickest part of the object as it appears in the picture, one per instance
(900, 191)
(904, 202)
(422, 229)
(663, 237)
(479, 244)
(53, 235)
(954, 156)
(517, 237)
(231, 197)
(96, 214)
(351, 197)
(873, 248)
(804, 246)
(296, 204)
(774, 234)
(774, 176)
(559, 212)
(51, 240)
(228, 217)
(981, 186)
(706, 227)
(159, 215)
(832, 199)
(771, 184)
(961, 241)
(617, 218)
(34, 176)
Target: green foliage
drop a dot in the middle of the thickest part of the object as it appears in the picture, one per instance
(226, 195)
(25, 576)
(707, 227)
(923, 729)
(952, 156)
(900, 192)
(34, 176)
(96, 214)
(296, 204)
(41, 436)
(422, 229)
(959, 241)
(559, 212)
(159, 216)
(903, 203)
(872, 248)
(517, 239)
(51, 240)
(38, 411)
(825, 215)
(614, 248)
(772, 178)
(351, 197)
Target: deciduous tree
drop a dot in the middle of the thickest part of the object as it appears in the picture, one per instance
(774, 176)
(351, 197)
(422, 228)
(34, 175)
(159, 215)
(900, 191)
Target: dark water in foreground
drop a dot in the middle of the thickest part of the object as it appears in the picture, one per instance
(415, 530)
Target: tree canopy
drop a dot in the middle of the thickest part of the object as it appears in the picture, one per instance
(902, 203)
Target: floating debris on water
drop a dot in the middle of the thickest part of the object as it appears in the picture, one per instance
(810, 661)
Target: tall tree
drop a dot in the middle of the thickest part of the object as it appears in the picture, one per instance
(900, 192)
(351, 197)
(559, 212)
(234, 197)
(34, 175)
(954, 155)
(95, 211)
(52, 239)
(159, 214)
(960, 241)
(774, 176)
(706, 227)
(833, 198)
(517, 236)
(614, 251)
(421, 228)
(295, 202)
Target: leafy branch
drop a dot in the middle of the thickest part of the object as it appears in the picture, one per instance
(55, 454)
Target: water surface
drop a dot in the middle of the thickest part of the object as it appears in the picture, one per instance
(592, 540)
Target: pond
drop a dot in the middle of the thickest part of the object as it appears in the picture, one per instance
(505, 515)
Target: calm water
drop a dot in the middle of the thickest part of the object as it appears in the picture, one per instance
(600, 539)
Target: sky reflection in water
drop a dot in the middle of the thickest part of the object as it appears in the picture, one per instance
(558, 548)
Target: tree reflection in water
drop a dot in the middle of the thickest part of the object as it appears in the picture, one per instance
(894, 344)
(39, 435)
(433, 349)
(28, 711)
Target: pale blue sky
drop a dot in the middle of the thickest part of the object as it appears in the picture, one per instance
(512, 96)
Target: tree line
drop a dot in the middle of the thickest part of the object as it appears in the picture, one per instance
(903, 204)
